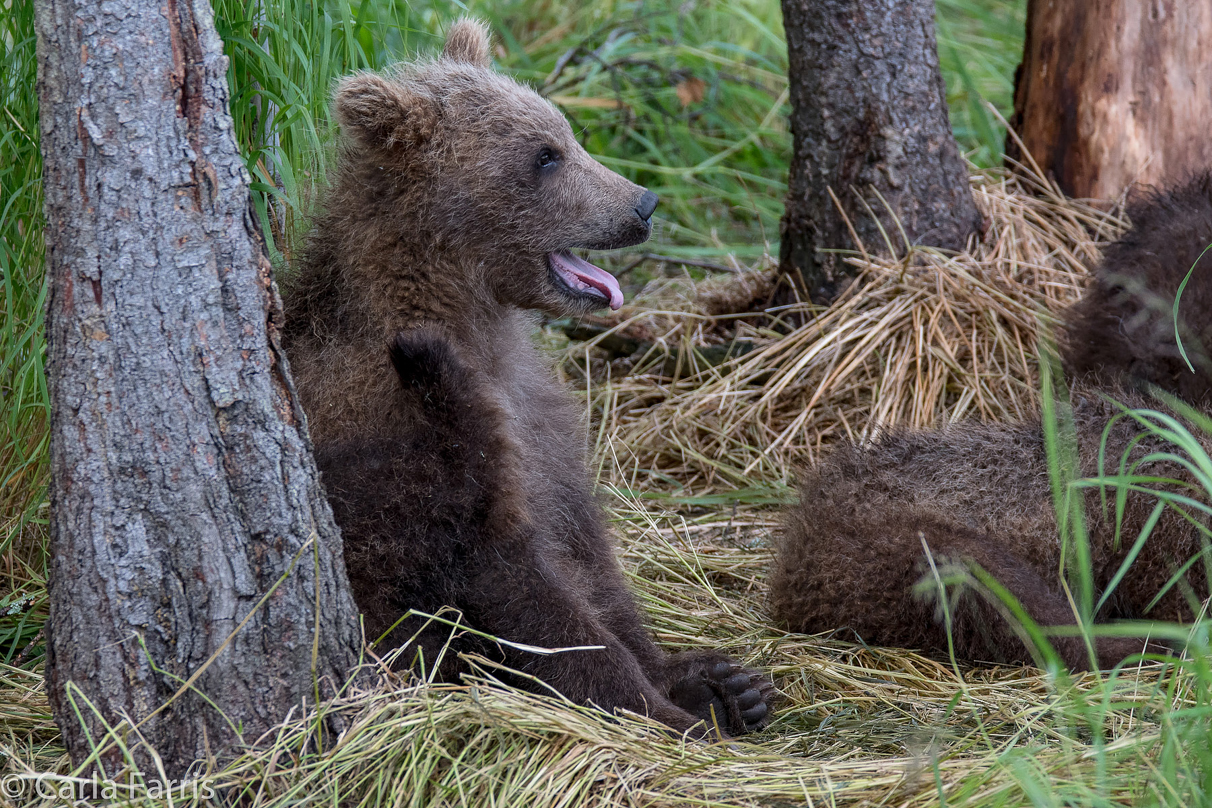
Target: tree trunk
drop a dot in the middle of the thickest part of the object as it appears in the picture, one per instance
(185, 505)
(1112, 92)
(869, 120)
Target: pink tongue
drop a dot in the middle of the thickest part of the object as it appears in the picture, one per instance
(580, 274)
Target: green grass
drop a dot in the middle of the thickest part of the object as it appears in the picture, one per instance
(718, 163)
(980, 43)
(285, 56)
(717, 153)
(1174, 739)
(24, 407)
(1182, 744)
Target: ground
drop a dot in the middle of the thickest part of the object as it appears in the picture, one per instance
(858, 725)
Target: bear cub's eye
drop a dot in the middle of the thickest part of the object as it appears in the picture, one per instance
(548, 158)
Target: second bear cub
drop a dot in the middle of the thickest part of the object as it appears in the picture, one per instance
(456, 470)
(872, 518)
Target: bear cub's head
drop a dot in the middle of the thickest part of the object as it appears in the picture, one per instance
(490, 175)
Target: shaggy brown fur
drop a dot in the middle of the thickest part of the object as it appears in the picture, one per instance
(459, 478)
(1124, 325)
(851, 553)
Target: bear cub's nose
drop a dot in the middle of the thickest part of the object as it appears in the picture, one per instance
(648, 203)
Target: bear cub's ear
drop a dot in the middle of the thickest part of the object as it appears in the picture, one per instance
(380, 113)
(467, 41)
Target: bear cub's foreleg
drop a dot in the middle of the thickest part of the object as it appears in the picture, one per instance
(453, 530)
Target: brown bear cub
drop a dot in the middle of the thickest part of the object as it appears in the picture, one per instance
(454, 462)
(852, 553)
(1124, 324)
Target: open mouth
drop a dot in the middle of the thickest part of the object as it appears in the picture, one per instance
(584, 278)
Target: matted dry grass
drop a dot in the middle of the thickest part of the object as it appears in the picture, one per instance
(914, 341)
(856, 725)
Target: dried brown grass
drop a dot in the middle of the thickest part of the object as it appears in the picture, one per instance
(916, 340)
(856, 725)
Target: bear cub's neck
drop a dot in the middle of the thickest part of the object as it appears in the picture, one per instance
(368, 277)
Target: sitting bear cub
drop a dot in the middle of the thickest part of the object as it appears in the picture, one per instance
(458, 477)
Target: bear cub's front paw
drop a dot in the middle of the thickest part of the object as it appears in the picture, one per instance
(721, 692)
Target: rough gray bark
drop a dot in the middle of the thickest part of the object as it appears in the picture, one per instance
(869, 120)
(183, 489)
(1112, 92)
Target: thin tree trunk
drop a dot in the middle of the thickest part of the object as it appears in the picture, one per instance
(1112, 92)
(870, 123)
(185, 504)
